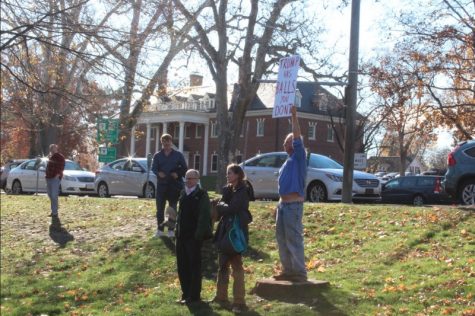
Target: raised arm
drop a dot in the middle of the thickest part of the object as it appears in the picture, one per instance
(295, 123)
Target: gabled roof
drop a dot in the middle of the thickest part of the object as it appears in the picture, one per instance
(311, 93)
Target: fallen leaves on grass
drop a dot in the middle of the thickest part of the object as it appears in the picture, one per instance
(267, 307)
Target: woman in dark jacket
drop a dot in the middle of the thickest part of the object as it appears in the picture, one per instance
(235, 201)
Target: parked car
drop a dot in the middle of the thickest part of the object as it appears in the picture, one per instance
(460, 177)
(380, 174)
(324, 178)
(75, 179)
(417, 190)
(6, 170)
(434, 172)
(406, 174)
(388, 177)
(127, 176)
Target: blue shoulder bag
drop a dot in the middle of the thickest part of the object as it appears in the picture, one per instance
(234, 241)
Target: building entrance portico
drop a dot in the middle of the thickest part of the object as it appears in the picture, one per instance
(160, 123)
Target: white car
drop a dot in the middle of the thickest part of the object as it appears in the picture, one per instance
(323, 183)
(126, 176)
(24, 178)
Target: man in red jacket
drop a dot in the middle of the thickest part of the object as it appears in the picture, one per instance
(54, 173)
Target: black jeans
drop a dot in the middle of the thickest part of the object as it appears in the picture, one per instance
(188, 259)
(165, 193)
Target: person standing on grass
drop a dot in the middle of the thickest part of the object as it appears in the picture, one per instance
(193, 227)
(289, 227)
(234, 201)
(54, 174)
(169, 166)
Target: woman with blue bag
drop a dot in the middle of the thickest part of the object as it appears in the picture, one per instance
(232, 237)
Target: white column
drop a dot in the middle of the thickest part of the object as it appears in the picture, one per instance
(147, 139)
(157, 137)
(132, 141)
(181, 137)
(205, 151)
(165, 128)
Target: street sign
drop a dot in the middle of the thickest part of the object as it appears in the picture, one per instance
(360, 161)
(286, 86)
(107, 154)
(107, 130)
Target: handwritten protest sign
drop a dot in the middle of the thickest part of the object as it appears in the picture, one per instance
(286, 86)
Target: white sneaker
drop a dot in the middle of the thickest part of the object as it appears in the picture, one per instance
(171, 234)
(159, 233)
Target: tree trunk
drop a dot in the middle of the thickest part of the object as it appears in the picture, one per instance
(224, 130)
(402, 155)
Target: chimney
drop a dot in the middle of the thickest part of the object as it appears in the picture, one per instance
(196, 80)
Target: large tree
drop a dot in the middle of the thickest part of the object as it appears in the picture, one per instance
(404, 105)
(443, 40)
(254, 37)
(154, 35)
(46, 65)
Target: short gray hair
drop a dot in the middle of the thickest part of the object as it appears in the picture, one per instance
(195, 172)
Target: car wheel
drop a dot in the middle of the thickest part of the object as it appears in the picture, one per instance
(317, 192)
(103, 190)
(467, 192)
(149, 191)
(16, 187)
(61, 193)
(418, 200)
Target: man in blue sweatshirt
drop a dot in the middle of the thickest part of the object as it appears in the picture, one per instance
(170, 167)
(289, 227)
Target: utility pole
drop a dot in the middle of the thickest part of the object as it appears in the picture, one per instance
(350, 103)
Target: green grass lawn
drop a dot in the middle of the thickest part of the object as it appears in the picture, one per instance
(379, 260)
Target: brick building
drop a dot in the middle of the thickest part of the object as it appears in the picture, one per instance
(190, 117)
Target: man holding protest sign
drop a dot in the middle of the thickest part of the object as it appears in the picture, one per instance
(289, 213)
(289, 227)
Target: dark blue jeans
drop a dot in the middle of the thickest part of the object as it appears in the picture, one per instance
(165, 193)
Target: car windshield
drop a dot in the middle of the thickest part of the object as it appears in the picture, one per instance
(70, 165)
(143, 163)
(322, 162)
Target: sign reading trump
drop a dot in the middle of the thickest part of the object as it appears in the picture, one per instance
(286, 86)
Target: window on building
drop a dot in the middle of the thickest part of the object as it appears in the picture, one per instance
(238, 156)
(214, 129)
(153, 133)
(214, 163)
(298, 98)
(312, 131)
(187, 130)
(289, 129)
(330, 133)
(260, 127)
(198, 130)
(323, 102)
(176, 131)
(196, 162)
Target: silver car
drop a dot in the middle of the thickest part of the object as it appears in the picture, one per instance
(10, 165)
(127, 176)
(324, 178)
(31, 173)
